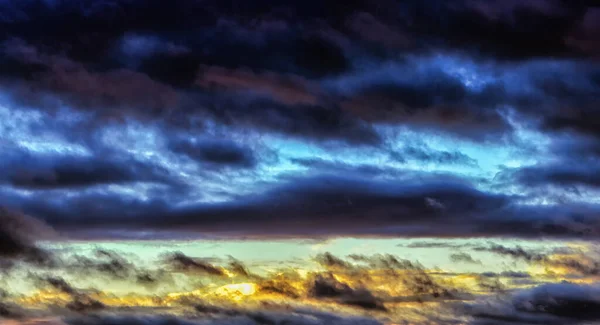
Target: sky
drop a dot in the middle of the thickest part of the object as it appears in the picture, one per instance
(269, 162)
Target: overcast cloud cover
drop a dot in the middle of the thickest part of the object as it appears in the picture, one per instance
(148, 119)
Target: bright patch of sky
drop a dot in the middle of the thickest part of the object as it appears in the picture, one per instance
(35, 131)
(282, 253)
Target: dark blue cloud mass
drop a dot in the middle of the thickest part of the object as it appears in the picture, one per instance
(302, 118)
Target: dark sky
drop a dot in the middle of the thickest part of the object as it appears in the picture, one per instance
(454, 118)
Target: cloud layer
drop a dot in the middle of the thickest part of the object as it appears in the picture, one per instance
(459, 118)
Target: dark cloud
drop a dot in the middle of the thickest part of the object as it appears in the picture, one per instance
(283, 88)
(28, 170)
(400, 94)
(279, 286)
(572, 166)
(112, 266)
(18, 235)
(425, 287)
(517, 252)
(81, 301)
(224, 316)
(576, 263)
(303, 200)
(572, 101)
(328, 260)
(10, 311)
(327, 287)
(419, 284)
(319, 122)
(316, 72)
(106, 262)
(563, 174)
(561, 303)
(180, 262)
(507, 274)
(581, 120)
(237, 267)
(217, 153)
(491, 27)
(109, 93)
(59, 284)
(507, 30)
(489, 284)
(286, 47)
(411, 208)
(385, 261)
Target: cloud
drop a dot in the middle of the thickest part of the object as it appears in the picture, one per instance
(393, 208)
(463, 258)
(237, 267)
(180, 262)
(417, 283)
(108, 93)
(423, 98)
(330, 261)
(300, 317)
(157, 127)
(332, 86)
(306, 199)
(217, 153)
(558, 303)
(168, 59)
(80, 301)
(575, 263)
(517, 252)
(18, 236)
(106, 262)
(112, 266)
(507, 274)
(428, 155)
(426, 244)
(570, 168)
(287, 89)
(562, 174)
(319, 122)
(327, 287)
(29, 170)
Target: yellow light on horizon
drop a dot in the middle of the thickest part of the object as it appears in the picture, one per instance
(237, 291)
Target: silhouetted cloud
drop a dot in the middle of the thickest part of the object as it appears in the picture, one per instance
(559, 303)
(574, 262)
(18, 235)
(327, 287)
(180, 262)
(507, 274)
(218, 154)
(80, 301)
(517, 252)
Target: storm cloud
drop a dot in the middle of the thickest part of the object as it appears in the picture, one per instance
(458, 118)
